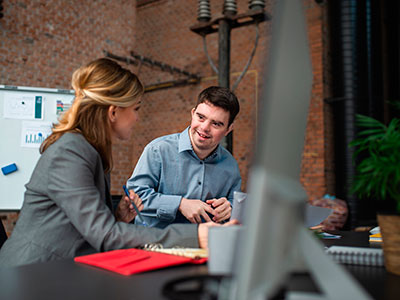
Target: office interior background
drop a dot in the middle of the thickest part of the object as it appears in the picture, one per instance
(353, 48)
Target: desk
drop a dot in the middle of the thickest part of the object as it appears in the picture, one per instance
(68, 280)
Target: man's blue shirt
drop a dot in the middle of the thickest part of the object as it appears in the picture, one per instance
(169, 169)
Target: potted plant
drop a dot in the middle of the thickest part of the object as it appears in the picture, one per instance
(377, 157)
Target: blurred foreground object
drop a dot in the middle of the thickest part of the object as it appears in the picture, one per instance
(340, 212)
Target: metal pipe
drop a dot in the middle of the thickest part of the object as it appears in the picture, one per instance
(224, 52)
(224, 56)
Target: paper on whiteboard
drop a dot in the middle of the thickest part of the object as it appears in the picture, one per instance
(23, 106)
(34, 133)
(63, 103)
(314, 215)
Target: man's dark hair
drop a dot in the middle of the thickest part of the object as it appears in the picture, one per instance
(221, 97)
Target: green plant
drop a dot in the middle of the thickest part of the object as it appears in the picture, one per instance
(377, 153)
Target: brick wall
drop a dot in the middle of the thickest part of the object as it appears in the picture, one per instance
(316, 166)
(41, 43)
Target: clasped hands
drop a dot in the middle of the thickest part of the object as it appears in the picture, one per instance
(194, 210)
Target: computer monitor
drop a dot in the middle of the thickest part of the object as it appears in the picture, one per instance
(274, 241)
(275, 196)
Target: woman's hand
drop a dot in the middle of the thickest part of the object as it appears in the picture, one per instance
(203, 228)
(125, 211)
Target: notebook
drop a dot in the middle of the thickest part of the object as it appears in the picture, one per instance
(133, 261)
(357, 255)
(186, 252)
(195, 253)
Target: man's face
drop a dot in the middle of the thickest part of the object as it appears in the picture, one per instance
(209, 125)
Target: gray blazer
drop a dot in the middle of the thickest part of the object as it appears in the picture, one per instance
(67, 211)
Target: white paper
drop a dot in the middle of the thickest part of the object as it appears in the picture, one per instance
(314, 215)
(375, 230)
(23, 106)
(34, 133)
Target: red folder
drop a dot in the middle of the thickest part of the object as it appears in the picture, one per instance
(132, 261)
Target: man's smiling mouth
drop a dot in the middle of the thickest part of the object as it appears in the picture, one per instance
(203, 135)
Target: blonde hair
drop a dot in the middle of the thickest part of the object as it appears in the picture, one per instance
(97, 85)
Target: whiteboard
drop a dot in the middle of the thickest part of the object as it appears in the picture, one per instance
(26, 115)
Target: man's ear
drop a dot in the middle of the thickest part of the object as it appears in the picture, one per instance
(230, 128)
(111, 113)
(192, 112)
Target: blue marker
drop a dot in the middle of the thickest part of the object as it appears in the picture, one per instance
(134, 206)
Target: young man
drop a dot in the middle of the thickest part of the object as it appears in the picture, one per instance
(188, 177)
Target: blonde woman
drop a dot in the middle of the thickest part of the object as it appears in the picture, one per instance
(67, 206)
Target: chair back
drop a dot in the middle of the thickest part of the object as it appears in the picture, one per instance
(3, 234)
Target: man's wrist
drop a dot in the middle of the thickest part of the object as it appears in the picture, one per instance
(180, 203)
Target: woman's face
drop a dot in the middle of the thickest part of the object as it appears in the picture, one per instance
(123, 119)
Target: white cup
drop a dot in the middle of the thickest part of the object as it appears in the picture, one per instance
(238, 206)
(221, 249)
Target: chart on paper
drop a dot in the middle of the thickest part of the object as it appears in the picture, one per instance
(34, 133)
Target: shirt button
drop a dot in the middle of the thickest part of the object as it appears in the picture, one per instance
(199, 182)
(201, 162)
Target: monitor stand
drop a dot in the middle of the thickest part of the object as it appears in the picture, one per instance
(332, 279)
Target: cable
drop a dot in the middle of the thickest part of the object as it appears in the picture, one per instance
(208, 56)
(249, 61)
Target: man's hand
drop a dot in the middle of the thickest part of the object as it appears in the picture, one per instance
(125, 211)
(202, 231)
(194, 210)
(222, 209)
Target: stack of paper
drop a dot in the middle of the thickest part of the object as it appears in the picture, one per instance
(375, 235)
(375, 238)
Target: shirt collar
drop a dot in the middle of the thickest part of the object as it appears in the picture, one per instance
(186, 145)
(184, 141)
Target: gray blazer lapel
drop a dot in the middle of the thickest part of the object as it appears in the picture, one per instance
(107, 191)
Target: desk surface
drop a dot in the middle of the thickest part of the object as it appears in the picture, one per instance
(68, 280)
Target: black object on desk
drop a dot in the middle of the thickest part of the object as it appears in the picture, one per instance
(348, 238)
